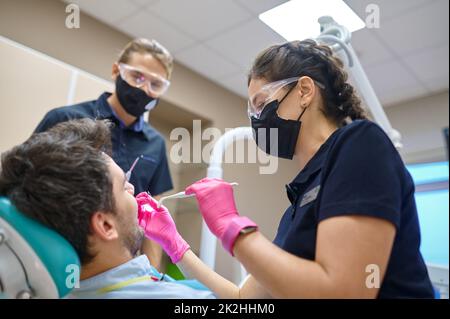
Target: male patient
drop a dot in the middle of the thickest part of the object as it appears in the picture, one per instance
(64, 179)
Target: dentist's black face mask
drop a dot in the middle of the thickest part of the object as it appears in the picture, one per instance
(134, 100)
(281, 144)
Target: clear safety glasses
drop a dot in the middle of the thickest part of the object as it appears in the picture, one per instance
(156, 84)
(256, 103)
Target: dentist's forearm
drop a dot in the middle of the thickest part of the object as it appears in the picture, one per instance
(269, 265)
(192, 266)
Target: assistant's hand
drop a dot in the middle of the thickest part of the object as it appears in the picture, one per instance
(159, 226)
(217, 206)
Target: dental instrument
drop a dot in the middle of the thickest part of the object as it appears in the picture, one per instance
(181, 195)
(128, 173)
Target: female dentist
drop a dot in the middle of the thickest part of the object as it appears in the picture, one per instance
(352, 230)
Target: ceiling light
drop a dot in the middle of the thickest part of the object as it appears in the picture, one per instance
(298, 19)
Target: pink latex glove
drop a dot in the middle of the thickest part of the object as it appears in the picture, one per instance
(159, 226)
(216, 202)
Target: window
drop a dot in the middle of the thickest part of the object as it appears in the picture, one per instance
(432, 199)
(431, 180)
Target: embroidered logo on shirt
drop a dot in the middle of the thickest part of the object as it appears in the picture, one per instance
(310, 196)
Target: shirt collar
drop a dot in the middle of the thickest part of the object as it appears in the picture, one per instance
(106, 111)
(135, 267)
(315, 164)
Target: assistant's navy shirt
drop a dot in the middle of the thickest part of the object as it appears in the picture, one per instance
(151, 173)
(358, 171)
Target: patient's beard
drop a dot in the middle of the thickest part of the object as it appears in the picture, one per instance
(131, 236)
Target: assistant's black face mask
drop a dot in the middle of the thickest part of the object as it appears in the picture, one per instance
(284, 132)
(134, 100)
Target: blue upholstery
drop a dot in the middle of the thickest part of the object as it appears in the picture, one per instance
(54, 251)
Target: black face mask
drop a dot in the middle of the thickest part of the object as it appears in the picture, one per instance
(134, 100)
(284, 145)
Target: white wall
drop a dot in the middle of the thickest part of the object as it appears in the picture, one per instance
(421, 122)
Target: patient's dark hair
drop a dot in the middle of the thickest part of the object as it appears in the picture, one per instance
(95, 133)
(60, 178)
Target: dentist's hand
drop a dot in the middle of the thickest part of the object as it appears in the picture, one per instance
(216, 202)
(159, 226)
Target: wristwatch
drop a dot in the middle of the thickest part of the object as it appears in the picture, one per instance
(248, 230)
(238, 225)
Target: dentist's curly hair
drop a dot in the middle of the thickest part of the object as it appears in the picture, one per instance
(308, 58)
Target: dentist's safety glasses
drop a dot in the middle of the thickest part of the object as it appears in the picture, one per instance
(156, 84)
(256, 103)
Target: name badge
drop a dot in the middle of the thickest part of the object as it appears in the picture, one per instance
(310, 196)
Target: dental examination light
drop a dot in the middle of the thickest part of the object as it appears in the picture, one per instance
(338, 38)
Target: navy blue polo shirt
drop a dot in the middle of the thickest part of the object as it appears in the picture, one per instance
(152, 171)
(358, 171)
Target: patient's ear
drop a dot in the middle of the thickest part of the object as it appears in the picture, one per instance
(104, 226)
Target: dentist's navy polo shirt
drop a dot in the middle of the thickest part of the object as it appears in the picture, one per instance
(358, 171)
(152, 171)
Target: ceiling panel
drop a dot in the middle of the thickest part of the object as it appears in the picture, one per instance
(388, 8)
(391, 81)
(200, 18)
(438, 84)
(401, 94)
(206, 62)
(387, 76)
(429, 64)
(369, 49)
(418, 29)
(242, 44)
(143, 3)
(146, 24)
(260, 6)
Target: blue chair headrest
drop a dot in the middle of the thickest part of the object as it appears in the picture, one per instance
(53, 250)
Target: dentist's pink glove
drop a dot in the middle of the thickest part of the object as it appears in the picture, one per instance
(159, 226)
(216, 202)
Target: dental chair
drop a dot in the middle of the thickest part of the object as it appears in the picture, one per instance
(35, 261)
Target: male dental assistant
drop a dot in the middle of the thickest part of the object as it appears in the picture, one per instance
(141, 77)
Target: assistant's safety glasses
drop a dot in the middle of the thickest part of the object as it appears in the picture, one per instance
(156, 84)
